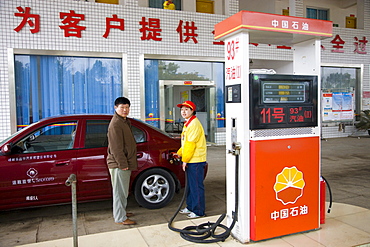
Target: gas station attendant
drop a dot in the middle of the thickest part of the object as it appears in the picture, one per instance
(193, 154)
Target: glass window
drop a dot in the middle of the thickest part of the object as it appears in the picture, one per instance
(96, 133)
(138, 134)
(156, 70)
(344, 83)
(320, 14)
(58, 85)
(337, 79)
(184, 70)
(53, 137)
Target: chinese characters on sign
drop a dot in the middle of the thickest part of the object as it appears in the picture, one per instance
(32, 180)
(302, 26)
(360, 45)
(284, 24)
(289, 212)
(273, 115)
(337, 44)
(150, 29)
(232, 72)
(32, 20)
(109, 25)
(33, 157)
(70, 21)
(189, 31)
(32, 174)
(73, 26)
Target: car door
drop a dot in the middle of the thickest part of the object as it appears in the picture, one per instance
(40, 163)
(93, 175)
(93, 179)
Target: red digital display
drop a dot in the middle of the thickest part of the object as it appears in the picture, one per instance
(285, 115)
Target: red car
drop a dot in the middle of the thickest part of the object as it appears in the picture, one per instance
(36, 161)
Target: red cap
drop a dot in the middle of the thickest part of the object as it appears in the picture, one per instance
(188, 104)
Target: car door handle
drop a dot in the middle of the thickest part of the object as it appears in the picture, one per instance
(139, 155)
(62, 163)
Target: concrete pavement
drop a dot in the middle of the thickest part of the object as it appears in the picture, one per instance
(345, 164)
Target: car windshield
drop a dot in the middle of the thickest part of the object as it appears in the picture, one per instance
(16, 133)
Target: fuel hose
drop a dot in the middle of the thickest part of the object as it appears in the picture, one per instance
(206, 232)
(330, 194)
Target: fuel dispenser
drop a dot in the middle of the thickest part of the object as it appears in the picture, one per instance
(273, 128)
(284, 155)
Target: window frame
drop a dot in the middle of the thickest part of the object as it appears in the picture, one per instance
(32, 138)
(318, 10)
(11, 72)
(357, 88)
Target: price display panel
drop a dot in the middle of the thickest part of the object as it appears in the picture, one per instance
(283, 101)
(284, 92)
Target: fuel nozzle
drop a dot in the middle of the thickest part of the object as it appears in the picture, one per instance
(174, 159)
(235, 148)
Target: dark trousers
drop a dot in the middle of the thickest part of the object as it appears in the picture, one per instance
(196, 199)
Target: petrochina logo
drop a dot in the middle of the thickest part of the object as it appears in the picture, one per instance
(289, 185)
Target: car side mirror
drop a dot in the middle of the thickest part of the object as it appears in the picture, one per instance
(6, 149)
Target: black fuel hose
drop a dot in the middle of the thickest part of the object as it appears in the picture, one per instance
(331, 196)
(206, 232)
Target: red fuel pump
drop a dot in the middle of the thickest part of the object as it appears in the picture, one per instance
(278, 125)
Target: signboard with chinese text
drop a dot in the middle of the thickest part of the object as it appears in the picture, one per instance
(337, 106)
(76, 23)
(273, 23)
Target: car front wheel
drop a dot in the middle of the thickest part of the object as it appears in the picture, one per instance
(154, 188)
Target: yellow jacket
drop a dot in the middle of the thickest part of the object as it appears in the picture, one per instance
(193, 142)
(170, 6)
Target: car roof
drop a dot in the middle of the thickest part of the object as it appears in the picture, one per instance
(85, 116)
(74, 116)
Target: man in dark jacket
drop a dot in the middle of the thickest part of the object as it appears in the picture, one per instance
(121, 159)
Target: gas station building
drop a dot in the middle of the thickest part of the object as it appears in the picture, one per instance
(65, 56)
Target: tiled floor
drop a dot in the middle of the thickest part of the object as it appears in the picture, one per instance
(345, 226)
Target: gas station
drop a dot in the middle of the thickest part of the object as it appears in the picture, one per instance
(273, 168)
(273, 126)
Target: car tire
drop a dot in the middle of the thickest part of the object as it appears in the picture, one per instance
(154, 188)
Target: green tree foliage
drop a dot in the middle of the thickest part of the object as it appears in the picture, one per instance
(169, 72)
(338, 81)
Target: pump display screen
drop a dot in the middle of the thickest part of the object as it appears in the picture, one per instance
(284, 92)
(283, 101)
